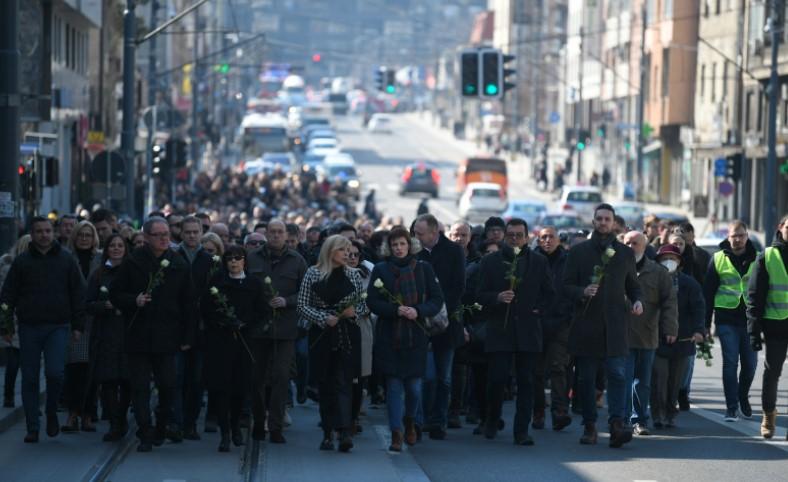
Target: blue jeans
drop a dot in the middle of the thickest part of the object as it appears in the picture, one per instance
(639, 366)
(302, 364)
(436, 409)
(51, 341)
(687, 380)
(188, 388)
(615, 369)
(395, 389)
(735, 345)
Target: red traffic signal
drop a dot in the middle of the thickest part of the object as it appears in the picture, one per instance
(316, 58)
(21, 170)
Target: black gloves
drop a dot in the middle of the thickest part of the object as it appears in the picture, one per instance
(755, 341)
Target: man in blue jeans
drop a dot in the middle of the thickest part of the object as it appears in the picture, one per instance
(448, 261)
(46, 290)
(660, 315)
(600, 279)
(724, 288)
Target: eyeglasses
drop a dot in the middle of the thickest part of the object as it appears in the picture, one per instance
(234, 258)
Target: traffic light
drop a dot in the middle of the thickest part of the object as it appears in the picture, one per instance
(601, 131)
(784, 168)
(469, 73)
(391, 86)
(581, 145)
(509, 82)
(159, 154)
(222, 68)
(175, 153)
(491, 73)
(24, 181)
(380, 78)
(316, 58)
(733, 167)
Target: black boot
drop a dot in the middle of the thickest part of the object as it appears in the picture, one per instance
(237, 435)
(224, 444)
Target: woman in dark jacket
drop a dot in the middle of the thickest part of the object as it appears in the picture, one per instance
(403, 292)
(108, 357)
(232, 307)
(79, 389)
(330, 300)
(671, 360)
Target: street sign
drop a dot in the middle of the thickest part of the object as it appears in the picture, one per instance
(555, 117)
(720, 167)
(95, 137)
(726, 188)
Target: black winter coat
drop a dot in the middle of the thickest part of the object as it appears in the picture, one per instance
(533, 297)
(46, 288)
(225, 353)
(448, 262)
(408, 359)
(107, 349)
(601, 330)
(169, 320)
(203, 267)
(558, 315)
(692, 311)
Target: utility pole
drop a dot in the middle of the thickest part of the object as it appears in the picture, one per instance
(152, 91)
(579, 116)
(128, 132)
(641, 101)
(770, 178)
(195, 146)
(535, 86)
(10, 101)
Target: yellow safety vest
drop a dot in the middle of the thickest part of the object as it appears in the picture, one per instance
(732, 285)
(777, 297)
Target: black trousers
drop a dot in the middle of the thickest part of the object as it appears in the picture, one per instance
(358, 396)
(116, 395)
(459, 378)
(479, 374)
(336, 402)
(553, 363)
(500, 364)
(666, 379)
(162, 367)
(274, 363)
(772, 368)
(80, 390)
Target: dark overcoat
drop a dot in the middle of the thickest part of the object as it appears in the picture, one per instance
(533, 295)
(448, 262)
(600, 326)
(106, 338)
(169, 320)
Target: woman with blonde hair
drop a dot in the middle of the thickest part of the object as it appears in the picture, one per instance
(212, 244)
(331, 300)
(84, 245)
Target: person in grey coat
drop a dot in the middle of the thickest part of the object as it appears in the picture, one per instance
(601, 281)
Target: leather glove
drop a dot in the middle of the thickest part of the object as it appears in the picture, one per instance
(755, 341)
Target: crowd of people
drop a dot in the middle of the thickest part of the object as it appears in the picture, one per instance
(267, 291)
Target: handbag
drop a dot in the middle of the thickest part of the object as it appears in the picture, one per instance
(438, 323)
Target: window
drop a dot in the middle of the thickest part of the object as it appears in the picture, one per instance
(68, 46)
(667, 9)
(651, 12)
(665, 71)
(759, 120)
(725, 80)
(655, 82)
(717, 7)
(748, 112)
(702, 81)
(646, 93)
(714, 82)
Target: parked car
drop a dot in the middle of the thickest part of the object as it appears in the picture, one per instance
(420, 177)
(482, 200)
(677, 216)
(580, 199)
(528, 209)
(324, 143)
(278, 160)
(561, 221)
(632, 212)
(341, 167)
(380, 123)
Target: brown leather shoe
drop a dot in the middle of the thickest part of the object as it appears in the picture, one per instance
(768, 424)
(410, 431)
(619, 434)
(561, 420)
(589, 434)
(396, 441)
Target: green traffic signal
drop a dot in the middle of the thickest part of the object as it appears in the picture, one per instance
(470, 89)
(784, 168)
(581, 146)
(491, 89)
(390, 89)
(221, 68)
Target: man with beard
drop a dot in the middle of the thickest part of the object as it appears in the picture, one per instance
(555, 328)
(515, 289)
(600, 279)
(281, 269)
(154, 291)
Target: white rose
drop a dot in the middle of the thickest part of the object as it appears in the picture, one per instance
(517, 251)
(214, 291)
(477, 306)
(267, 280)
(610, 252)
(164, 263)
(104, 289)
(378, 283)
(4, 307)
(216, 259)
(363, 296)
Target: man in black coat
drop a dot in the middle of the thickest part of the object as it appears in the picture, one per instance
(44, 287)
(448, 262)
(555, 327)
(189, 363)
(281, 271)
(154, 291)
(600, 280)
(515, 289)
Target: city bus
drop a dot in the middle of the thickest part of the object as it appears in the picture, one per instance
(481, 169)
(262, 133)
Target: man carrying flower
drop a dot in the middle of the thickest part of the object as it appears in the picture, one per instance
(154, 291)
(281, 271)
(515, 289)
(601, 280)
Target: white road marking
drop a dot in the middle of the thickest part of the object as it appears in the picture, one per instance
(744, 427)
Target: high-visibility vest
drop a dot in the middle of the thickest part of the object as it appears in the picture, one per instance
(732, 284)
(777, 297)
